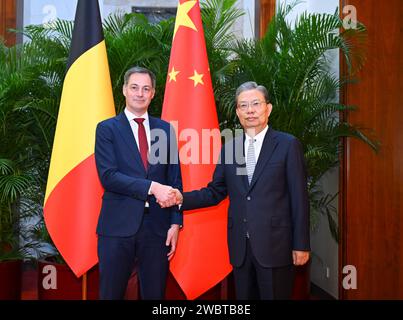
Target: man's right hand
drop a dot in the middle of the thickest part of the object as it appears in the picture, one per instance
(164, 195)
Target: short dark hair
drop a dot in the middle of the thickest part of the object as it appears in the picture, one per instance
(251, 85)
(137, 69)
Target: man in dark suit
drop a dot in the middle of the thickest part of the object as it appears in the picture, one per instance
(132, 227)
(268, 215)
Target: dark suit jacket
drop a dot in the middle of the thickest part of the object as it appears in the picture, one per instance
(125, 180)
(274, 208)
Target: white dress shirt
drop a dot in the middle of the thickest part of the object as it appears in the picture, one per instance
(135, 129)
(257, 143)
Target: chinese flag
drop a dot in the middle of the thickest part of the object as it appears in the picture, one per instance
(201, 259)
(73, 192)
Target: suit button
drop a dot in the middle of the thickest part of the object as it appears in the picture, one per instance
(248, 198)
(244, 220)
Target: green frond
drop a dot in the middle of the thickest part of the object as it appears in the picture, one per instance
(218, 18)
(6, 167)
(115, 23)
(12, 186)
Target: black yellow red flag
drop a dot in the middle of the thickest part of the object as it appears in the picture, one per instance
(73, 192)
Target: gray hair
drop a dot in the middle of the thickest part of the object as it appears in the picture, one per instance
(251, 85)
(137, 69)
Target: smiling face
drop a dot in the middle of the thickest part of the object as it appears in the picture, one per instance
(138, 92)
(253, 112)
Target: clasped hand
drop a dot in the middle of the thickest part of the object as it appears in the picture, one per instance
(166, 195)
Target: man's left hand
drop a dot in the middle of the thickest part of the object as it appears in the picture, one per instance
(300, 257)
(172, 239)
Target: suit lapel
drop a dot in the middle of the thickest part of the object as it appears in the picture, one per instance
(269, 145)
(127, 135)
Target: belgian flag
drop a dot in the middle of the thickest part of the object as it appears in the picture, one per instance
(73, 193)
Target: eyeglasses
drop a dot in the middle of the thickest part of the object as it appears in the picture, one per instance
(243, 105)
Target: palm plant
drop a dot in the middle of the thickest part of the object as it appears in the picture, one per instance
(12, 185)
(293, 63)
(17, 145)
(218, 17)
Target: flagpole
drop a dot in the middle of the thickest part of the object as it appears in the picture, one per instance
(84, 286)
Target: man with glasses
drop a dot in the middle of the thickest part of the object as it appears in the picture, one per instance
(268, 216)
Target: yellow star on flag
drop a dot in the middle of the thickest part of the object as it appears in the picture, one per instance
(173, 74)
(182, 18)
(197, 78)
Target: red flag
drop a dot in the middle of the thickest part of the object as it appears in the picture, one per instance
(73, 192)
(201, 259)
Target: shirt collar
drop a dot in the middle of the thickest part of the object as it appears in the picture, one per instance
(259, 137)
(130, 116)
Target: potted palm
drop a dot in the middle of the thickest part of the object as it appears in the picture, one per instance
(16, 177)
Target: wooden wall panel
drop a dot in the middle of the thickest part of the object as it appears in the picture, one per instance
(8, 13)
(372, 185)
(266, 12)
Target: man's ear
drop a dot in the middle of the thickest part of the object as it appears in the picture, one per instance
(237, 111)
(270, 107)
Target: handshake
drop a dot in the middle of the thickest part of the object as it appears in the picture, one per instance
(166, 196)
